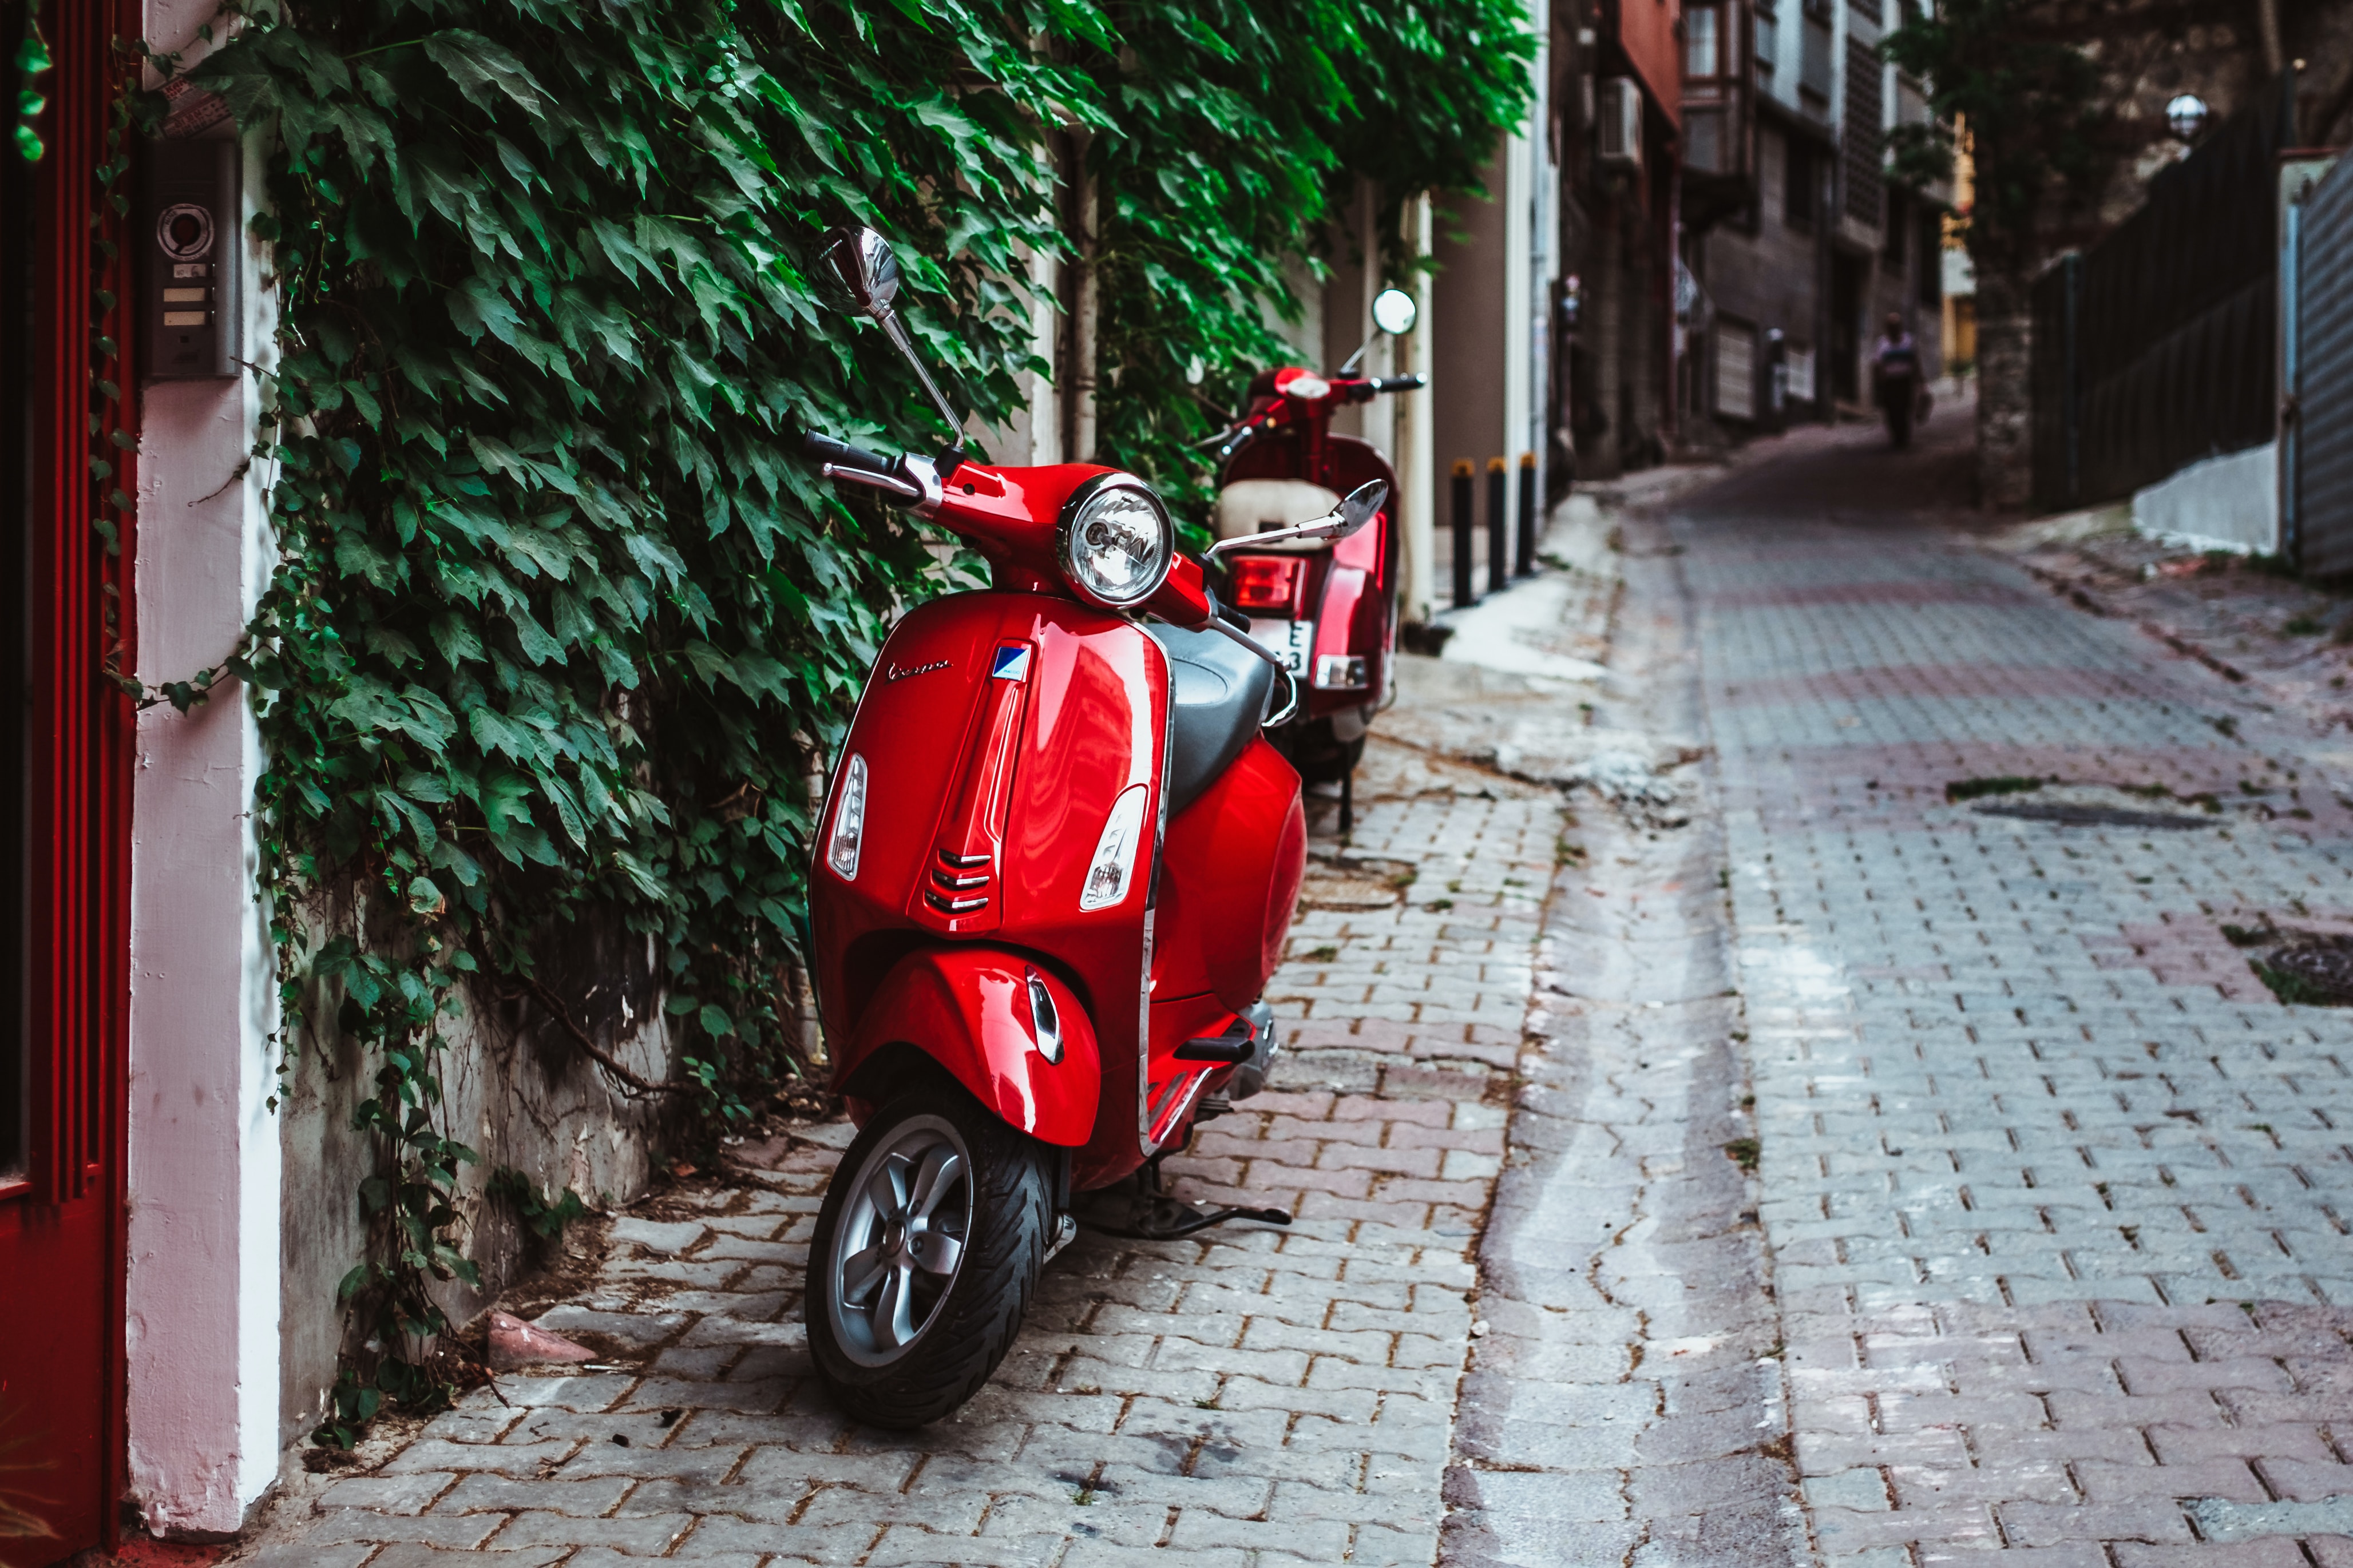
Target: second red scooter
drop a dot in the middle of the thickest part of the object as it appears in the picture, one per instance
(1327, 607)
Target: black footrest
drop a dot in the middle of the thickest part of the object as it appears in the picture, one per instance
(1217, 1049)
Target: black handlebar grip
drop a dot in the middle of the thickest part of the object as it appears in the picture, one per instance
(1229, 614)
(1398, 383)
(842, 455)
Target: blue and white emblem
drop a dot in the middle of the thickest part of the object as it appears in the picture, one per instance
(1012, 661)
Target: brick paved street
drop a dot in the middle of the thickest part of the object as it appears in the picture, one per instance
(1870, 1141)
(2056, 1194)
(1252, 1395)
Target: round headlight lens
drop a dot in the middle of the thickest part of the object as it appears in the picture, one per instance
(1116, 544)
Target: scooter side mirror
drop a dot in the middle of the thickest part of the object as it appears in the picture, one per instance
(1357, 508)
(859, 265)
(1393, 312)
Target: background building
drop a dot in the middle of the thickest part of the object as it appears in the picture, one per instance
(1797, 244)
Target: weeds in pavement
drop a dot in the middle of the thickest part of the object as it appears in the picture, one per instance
(2004, 784)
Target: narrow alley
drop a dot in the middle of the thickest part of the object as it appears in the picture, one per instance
(1892, 1151)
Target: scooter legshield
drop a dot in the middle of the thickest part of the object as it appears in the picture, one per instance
(969, 1009)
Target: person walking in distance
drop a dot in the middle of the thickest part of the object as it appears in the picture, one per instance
(1895, 379)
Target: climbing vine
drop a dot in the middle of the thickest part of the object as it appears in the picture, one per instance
(560, 625)
(1241, 130)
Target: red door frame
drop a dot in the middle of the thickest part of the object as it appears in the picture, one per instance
(65, 1217)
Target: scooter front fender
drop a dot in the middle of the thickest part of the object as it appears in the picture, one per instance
(969, 1009)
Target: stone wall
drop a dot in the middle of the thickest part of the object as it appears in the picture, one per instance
(516, 1090)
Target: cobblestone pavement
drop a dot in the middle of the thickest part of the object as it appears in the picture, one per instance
(1625, 1407)
(1253, 1395)
(1870, 1141)
(2056, 1197)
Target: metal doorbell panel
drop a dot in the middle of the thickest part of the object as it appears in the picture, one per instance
(189, 251)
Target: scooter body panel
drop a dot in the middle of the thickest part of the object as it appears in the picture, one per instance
(1233, 861)
(997, 733)
(971, 1009)
(1232, 868)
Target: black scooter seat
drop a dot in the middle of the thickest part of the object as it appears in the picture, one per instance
(1220, 692)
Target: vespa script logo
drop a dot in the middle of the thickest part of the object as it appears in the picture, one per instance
(901, 672)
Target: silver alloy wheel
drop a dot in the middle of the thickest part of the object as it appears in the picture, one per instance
(900, 1239)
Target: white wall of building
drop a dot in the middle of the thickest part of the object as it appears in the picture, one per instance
(202, 1315)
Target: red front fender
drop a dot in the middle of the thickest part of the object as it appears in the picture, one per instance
(969, 1009)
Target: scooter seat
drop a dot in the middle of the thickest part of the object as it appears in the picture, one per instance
(1220, 692)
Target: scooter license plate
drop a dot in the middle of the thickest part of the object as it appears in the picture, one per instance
(1293, 642)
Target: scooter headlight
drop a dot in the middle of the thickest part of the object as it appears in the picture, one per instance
(848, 820)
(1117, 545)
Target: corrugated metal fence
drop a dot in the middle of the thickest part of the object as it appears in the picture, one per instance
(2318, 523)
(2159, 345)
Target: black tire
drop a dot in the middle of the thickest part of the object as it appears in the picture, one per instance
(965, 1327)
(1321, 756)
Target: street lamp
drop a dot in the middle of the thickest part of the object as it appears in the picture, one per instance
(2186, 115)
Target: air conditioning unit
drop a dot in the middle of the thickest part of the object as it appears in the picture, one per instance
(1621, 122)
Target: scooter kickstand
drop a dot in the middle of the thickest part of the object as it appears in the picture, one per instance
(1348, 803)
(1154, 1215)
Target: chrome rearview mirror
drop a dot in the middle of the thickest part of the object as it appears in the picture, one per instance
(1393, 312)
(859, 265)
(1359, 507)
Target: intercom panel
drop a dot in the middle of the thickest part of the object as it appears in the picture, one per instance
(189, 253)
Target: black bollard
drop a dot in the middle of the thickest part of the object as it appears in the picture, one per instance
(1462, 594)
(1527, 514)
(1499, 523)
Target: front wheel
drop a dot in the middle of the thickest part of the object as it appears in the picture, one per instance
(927, 1247)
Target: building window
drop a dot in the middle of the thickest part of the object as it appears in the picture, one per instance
(1892, 244)
(1865, 104)
(1736, 370)
(1768, 45)
(1798, 189)
(1814, 67)
(1703, 42)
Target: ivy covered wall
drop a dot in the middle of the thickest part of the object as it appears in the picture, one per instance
(561, 629)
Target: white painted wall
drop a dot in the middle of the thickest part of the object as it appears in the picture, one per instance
(1415, 448)
(1516, 349)
(2230, 502)
(202, 1320)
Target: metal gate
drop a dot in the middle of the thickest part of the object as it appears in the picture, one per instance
(2319, 520)
(2158, 346)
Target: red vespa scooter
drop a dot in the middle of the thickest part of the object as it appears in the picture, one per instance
(1055, 867)
(1327, 607)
